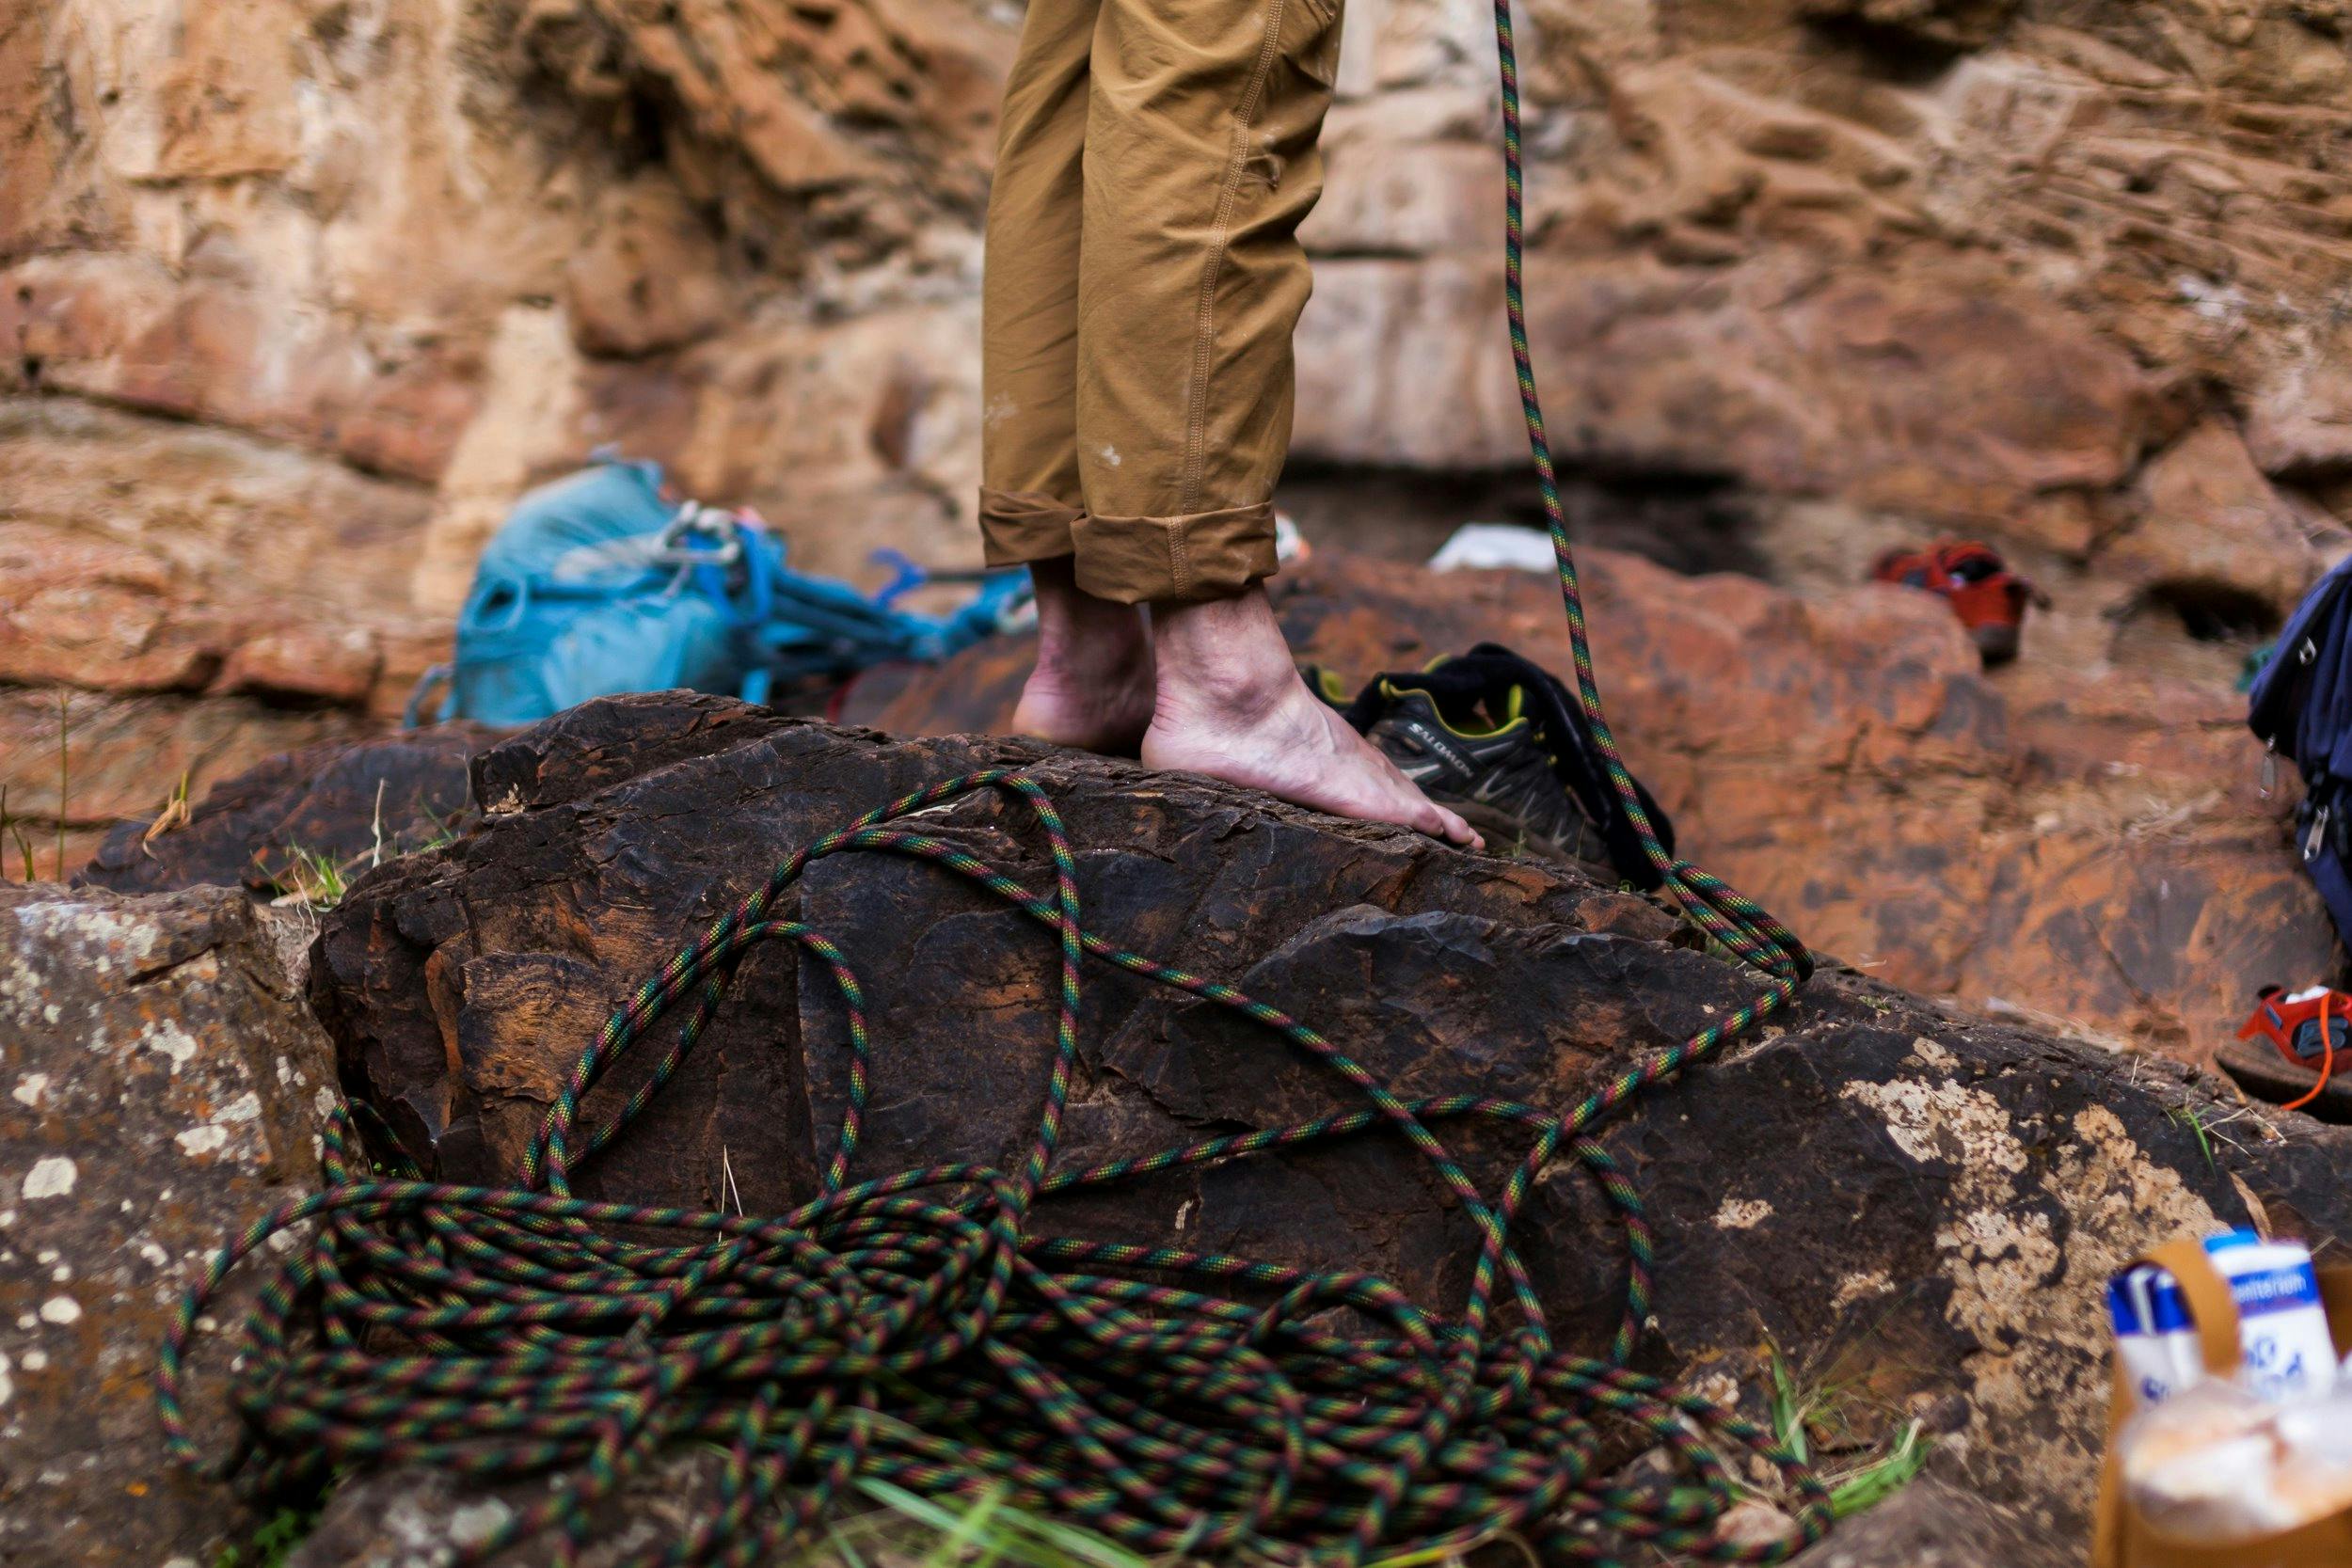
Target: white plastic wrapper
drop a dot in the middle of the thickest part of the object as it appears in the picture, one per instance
(1290, 546)
(1477, 546)
(2218, 1466)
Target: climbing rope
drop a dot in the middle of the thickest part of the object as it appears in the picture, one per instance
(921, 1329)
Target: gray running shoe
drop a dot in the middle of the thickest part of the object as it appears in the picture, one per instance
(1499, 779)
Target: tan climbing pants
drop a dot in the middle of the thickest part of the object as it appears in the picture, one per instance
(1143, 278)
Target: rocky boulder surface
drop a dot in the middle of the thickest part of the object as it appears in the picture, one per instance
(417, 1519)
(2092, 849)
(286, 324)
(346, 806)
(164, 1088)
(179, 603)
(281, 337)
(1931, 1524)
(1919, 1206)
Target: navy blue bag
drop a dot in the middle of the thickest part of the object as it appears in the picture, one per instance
(2300, 704)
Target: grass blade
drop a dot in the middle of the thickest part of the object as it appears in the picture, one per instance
(1077, 1545)
(1788, 1411)
(1882, 1478)
(923, 1510)
(968, 1532)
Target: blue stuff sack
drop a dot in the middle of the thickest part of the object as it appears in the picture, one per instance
(597, 583)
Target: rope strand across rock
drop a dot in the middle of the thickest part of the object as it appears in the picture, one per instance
(919, 1328)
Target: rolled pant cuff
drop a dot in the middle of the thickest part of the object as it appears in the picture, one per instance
(1206, 555)
(1019, 525)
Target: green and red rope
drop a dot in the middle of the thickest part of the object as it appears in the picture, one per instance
(920, 1329)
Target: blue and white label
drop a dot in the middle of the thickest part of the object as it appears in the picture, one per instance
(2286, 1351)
(2276, 1290)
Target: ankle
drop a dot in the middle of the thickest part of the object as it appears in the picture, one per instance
(1074, 629)
(1223, 659)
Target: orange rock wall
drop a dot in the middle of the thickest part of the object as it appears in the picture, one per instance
(296, 294)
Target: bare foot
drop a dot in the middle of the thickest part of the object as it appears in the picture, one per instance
(1231, 704)
(1092, 686)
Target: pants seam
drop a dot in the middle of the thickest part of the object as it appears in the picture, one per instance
(1197, 414)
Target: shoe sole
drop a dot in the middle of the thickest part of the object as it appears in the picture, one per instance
(1503, 830)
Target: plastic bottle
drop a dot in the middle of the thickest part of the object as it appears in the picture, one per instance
(2283, 1323)
(2154, 1338)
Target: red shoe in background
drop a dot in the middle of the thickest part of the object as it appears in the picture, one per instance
(1989, 598)
(2309, 1029)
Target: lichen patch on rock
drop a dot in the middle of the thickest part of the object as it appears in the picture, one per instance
(138, 1026)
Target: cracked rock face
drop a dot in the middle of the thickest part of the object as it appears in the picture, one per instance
(350, 803)
(162, 1084)
(284, 333)
(1913, 1204)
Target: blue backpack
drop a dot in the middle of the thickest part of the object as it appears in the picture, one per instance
(2300, 704)
(598, 584)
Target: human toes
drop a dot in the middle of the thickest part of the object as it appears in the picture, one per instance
(1438, 822)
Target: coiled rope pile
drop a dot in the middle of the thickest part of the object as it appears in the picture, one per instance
(921, 1329)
